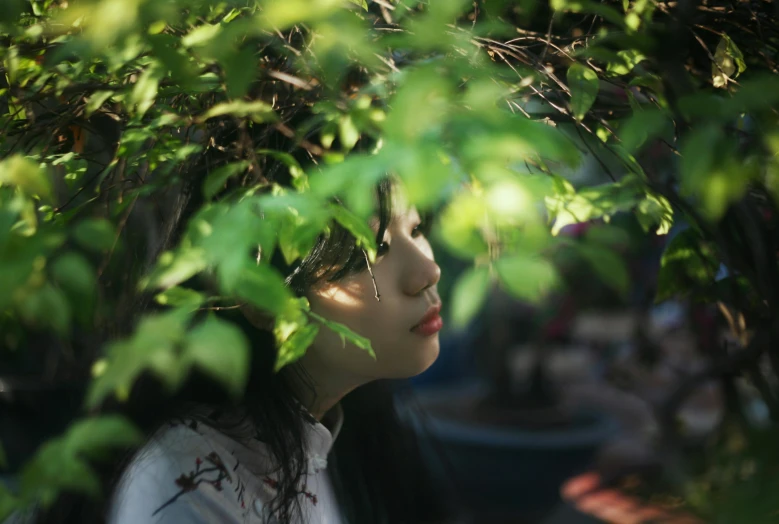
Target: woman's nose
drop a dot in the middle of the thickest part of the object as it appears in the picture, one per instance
(423, 274)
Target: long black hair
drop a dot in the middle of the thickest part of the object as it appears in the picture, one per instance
(376, 465)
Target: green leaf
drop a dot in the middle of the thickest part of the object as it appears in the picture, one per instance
(348, 132)
(180, 297)
(48, 307)
(201, 35)
(93, 437)
(728, 62)
(217, 178)
(239, 73)
(281, 14)
(96, 101)
(360, 3)
(153, 346)
(144, 91)
(173, 268)
(264, 288)
(584, 85)
(25, 174)
(469, 294)
(75, 275)
(365, 236)
(526, 276)
(257, 110)
(60, 465)
(688, 265)
(608, 265)
(95, 234)
(296, 345)
(221, 350)
(642, 127)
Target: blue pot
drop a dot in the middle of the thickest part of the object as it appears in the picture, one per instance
(499, 470)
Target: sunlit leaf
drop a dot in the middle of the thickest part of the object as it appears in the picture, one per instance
(728, 62)
(256, 110)
(296, 345)
(25, 174)
(180, 297)
(584, 85)
(527, 276)
(469, 294)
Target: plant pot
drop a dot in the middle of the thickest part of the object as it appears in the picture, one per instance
(497, 470)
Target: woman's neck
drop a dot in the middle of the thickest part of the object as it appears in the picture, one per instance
(317, 389)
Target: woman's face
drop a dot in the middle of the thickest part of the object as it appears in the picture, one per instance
(402, 327)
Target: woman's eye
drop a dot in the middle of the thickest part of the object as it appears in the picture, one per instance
(418, 230)
(382, 249)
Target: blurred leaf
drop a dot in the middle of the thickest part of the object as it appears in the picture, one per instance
(366, 238)
(221, 350)
(642, 127)
(25, 174)
(608, 265)
(96, 101)
(347, 132)
(95, 234)
(93, 437)
(469, 294)
(239, 73)
(174, 267)
(47, 307)
(526, 276)
(217, 178)
(257, 110)
(75, 275)
(360, 3)
(281, 14)
(153, 346)
(60, 465)
(584, 85)
(689, 264)
(201, 35)
(180, 297)
(264, 288)
(144, 92)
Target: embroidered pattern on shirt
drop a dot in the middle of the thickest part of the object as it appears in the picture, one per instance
(211, 471)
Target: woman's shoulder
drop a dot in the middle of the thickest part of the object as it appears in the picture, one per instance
(188, 472)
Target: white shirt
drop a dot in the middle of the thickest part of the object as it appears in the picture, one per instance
(191, 473)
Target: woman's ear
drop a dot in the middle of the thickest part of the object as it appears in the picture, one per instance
(257, 318)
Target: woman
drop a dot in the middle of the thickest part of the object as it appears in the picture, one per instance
(296, 448)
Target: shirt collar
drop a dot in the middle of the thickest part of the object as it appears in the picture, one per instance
(320, 436)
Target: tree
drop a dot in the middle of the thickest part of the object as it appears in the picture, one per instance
(110, 109)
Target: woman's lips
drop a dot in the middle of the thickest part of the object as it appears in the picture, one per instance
(430, 324)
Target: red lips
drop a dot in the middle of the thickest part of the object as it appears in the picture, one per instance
(431, 323)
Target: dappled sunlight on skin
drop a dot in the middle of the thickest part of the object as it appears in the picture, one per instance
(349, 296)
(613, 506)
